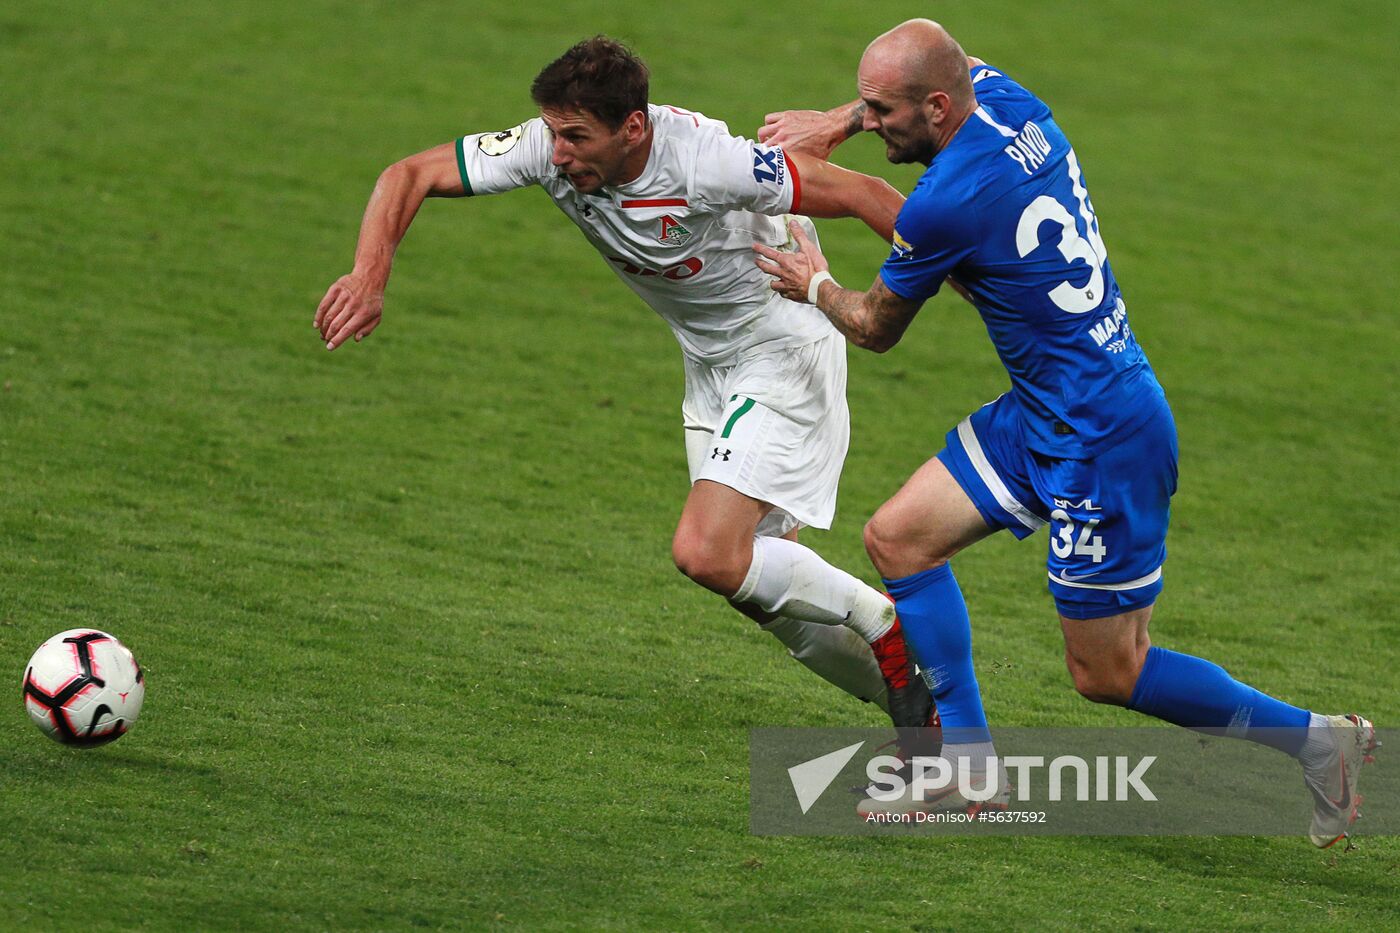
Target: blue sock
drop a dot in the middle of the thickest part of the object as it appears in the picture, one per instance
(1194, 692)
(938, 631)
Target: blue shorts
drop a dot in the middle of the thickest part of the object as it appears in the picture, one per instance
(1107, 514)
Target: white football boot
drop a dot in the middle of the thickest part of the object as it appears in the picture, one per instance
(947, 800)
(1333, 784)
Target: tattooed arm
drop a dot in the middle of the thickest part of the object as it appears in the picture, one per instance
(874, 319)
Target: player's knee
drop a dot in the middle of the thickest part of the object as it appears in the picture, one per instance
(881, 543)
(1102, 680)
(708, 563)
(894, 548)
(688, 554)
(1097, 690)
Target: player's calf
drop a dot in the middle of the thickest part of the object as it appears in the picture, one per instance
(834, 653)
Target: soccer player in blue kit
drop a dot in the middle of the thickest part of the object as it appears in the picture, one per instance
(1083, 443)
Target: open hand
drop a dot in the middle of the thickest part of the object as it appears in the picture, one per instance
(793, 271)
(351, 308)
(808, 131)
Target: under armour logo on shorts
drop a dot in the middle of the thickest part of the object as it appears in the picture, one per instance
(721, 453)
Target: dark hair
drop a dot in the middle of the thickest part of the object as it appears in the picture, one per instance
(599, 75)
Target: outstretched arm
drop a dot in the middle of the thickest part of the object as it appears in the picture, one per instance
(832, 191)
(814, 132)
(353, 305)
(819, 132)
(874, 319)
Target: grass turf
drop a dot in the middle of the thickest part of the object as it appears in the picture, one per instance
(417, 656)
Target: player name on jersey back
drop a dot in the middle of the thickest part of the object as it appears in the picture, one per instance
(1004, 210)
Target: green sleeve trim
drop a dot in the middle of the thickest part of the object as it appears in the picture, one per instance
(462, 165)
(739, 413)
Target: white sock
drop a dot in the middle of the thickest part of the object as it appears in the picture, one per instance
(788, 579)
(977, 757)
(976, 754)
(1320, 744)
(834, 653)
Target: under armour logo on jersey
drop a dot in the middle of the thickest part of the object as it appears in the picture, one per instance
(768, 165)
(718, 454)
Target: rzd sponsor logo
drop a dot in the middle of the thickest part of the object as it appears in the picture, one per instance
(686, 268)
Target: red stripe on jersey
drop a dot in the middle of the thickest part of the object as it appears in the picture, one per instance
(684, 113)
(657, 202)
(796, 183)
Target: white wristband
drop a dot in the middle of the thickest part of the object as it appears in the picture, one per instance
(815, 285)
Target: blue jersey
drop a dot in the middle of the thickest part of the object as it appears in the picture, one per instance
(1004, 211)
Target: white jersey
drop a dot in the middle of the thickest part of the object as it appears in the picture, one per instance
(682, 234)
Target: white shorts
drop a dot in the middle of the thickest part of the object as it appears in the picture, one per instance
(773, 426)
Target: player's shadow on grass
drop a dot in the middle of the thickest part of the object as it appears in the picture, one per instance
(84, 762)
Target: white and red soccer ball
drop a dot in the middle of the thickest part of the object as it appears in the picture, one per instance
(83, 687)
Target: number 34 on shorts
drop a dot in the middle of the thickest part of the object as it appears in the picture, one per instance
(1080, 541)
(1108, 526)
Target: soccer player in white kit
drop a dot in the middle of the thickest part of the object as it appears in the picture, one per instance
(674, 203)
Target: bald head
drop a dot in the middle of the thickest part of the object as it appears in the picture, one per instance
(917, 58)
(915, 84)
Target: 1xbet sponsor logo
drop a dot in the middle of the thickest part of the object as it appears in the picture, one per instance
(769, 165)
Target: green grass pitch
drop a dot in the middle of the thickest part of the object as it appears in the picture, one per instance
(417, 654)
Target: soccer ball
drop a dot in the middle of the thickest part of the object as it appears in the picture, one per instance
(83, 687)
